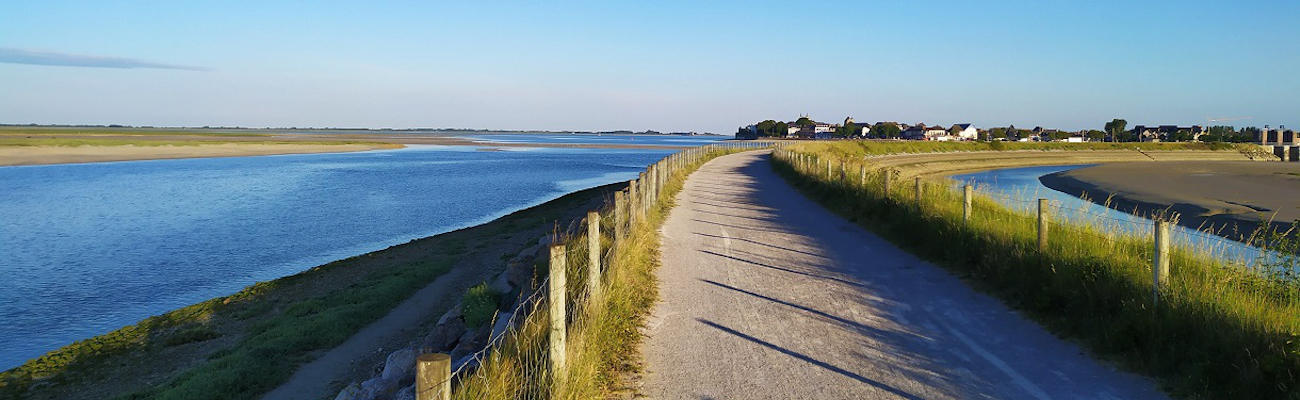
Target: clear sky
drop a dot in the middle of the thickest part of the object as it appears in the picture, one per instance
(668, 66)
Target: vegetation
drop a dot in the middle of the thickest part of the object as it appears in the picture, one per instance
(145, 142)
(605, 329)
(479, 305)
(1218, 331)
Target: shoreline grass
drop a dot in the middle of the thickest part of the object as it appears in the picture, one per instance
(1218, 331)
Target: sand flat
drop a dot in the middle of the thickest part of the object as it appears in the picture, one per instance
(1241, 193)
(37, 155)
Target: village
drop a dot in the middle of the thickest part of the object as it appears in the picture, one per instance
(1115, 131)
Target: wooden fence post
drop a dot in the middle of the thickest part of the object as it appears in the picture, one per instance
(862, 176)
(918, 192)
(965, 210)
(593, 253)
(1160, 261)
(1042, 227)
(619, 214)
(557, 302)
(433, 377)
(889, 176)
(632, 204)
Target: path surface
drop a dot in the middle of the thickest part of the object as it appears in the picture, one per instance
(765, 294)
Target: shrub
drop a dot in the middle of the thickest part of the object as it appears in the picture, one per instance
(479, 305)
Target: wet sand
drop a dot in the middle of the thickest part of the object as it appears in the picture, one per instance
(39, 155)
(218, 145)
(1233, 196)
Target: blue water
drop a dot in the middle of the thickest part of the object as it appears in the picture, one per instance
(1020, 189)
(88, 248)
(653, 140)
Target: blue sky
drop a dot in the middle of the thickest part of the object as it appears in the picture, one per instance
(666, 66)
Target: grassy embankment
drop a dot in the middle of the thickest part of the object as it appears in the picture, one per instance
(1218, 331)
(604, 330)
(245, 344)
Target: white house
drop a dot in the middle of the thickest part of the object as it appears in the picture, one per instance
(967, 132)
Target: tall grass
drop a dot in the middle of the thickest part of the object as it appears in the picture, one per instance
(604, 329)
(1218, 330)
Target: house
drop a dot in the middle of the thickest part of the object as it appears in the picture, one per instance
(922, 132)
(1167, 133)
(966, 131)
(1075, 139)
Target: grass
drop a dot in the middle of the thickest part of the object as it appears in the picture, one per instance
(856, 148)
(76, 142)
(245, 344)
(479, 305)
(1219, 331)
(604, 332)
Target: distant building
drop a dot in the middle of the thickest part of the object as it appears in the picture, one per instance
(1165, 133)
(966, 131)
(1279, 136)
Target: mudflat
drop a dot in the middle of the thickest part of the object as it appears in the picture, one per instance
(35, 146)
(1233, 196)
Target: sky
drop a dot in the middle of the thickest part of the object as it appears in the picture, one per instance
(667, 66)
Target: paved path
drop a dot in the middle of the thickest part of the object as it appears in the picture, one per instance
(765, 294)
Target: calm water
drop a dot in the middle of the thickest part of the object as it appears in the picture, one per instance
(1020, 189)
(88, 248)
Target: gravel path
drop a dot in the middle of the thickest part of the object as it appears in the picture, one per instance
(765, 294)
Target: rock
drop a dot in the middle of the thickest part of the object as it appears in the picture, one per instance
(444, 336)
(371, 389)
(398, 365)
(351, 392)
(502, 284)
(407, 393)
(453, 313)
(470, 342)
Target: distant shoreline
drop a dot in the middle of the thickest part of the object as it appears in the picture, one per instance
(46, 146)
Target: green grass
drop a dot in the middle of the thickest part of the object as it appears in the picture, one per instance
(1219, 331)
(479, 305)
(604, 334)
(857, 148)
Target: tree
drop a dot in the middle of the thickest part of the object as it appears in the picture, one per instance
(886, 130)
(847, 130)
(1115, 128)
(998, 133)
(804, 121)
(1095, 135)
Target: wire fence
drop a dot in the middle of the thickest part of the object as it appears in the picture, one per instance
(1077, 231)
(526, 353)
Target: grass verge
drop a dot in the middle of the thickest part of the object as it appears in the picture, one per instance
(1218, 331)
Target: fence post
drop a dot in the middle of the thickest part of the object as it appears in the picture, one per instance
(862, 176)
(1160, 262)
(557, 300)
(965, 209)
(889, 176)
(593, 253)
(631, 202)
(1042, 227)
(433, 377)
(918, 192)
(619, 214)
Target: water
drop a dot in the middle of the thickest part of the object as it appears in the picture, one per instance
(88, 248)
(1020, 189)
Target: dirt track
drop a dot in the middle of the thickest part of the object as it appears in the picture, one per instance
(765, 294)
